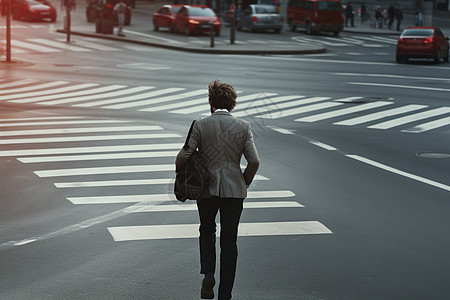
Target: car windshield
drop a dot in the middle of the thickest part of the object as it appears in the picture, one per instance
(201, 12)
(418, 32)
(175, 9)
(265, 10)
(328, 6)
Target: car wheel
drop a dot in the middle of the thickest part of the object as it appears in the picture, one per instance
(336, 33)
(398, 59)
(437, 58)
(308, 28)
(446, 57)
(171, 28)
(292, 26)
(155, 27)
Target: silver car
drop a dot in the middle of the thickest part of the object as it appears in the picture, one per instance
(260, 17)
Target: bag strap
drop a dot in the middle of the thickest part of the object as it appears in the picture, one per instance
(186, 146)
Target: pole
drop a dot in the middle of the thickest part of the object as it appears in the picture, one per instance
(233, 24)
(8, 30)
(211, 35)
(68, 22)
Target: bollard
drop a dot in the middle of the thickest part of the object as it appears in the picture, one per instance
(211, 34)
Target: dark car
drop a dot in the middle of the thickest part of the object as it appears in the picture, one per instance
(33, 10)
(165, 17)
(260, 17)
(422, 42)
(97, 9)
(192, 19)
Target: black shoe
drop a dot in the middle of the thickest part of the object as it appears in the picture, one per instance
(207, 287)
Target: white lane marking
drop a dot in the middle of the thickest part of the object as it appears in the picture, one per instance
(65, 46)
(183, 231)
(127, 155)
(282, 130)
(49, 92)
(39, 119)
(302, 109)
(33, 87)
(91, 97)
(13, 84)
(241, 99)
(92, 149)
(75, 122)
(34, 47)
(272, 104)
(414, 87)
(411, 118)
(170, 41)
(76, 130)
(378, 39)
(92, 45)
(323, 146)
(130, 98)
(348, 99)
(188, 103)
(392, 76)
(428, 126)
(87, 138)
(380, 115)
(72, 94)
(157, 100)
(24, 242)
(399, 172)
(127, 182)
(161, 198)
(105, 170)
(343, 112)
(193, 206)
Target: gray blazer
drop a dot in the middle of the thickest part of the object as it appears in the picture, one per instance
(222, 139)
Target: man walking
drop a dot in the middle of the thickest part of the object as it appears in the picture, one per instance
(399, 16)
(120, 9)
(222, 139)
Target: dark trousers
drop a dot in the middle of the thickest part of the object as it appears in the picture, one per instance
(230, 213)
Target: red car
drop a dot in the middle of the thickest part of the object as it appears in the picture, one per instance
(422, 42)
(165, 17)
(192, 19)
(32, 10)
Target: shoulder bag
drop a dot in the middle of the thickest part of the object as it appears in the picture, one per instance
(192, 179)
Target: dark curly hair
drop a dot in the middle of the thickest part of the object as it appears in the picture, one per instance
(222, 95)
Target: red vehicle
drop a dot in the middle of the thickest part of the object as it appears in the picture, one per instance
(32, 10)
(192, 19)
(315, 15)
(165, 17)
(422, 42)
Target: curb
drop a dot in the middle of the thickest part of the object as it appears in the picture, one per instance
(313, 50)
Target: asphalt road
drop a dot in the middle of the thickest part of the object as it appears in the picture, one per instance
(375, 209)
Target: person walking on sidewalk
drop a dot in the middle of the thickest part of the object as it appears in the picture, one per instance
(120, 9)
(399, 16)
(391, 15)
(349, 15)
(222, 139)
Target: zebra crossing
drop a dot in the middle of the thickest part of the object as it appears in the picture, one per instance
(86, 44)
(348, 111)
(132, 165)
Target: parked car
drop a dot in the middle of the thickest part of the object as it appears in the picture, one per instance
(316, 15)
(33, 10)
(260, 17)
(422, 42)
(165, 17)
(192, 19)
(105, 9)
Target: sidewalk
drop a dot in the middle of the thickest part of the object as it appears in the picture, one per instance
(141, 34)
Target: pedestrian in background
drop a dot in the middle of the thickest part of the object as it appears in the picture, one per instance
(120, 9)
(399, 16)
(363, 12)
(349, 15)
(222, 139)
(418, 19)
(391, 15)
(378, 18)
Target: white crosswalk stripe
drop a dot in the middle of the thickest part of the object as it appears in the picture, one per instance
(36, 150)
(263, 105)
